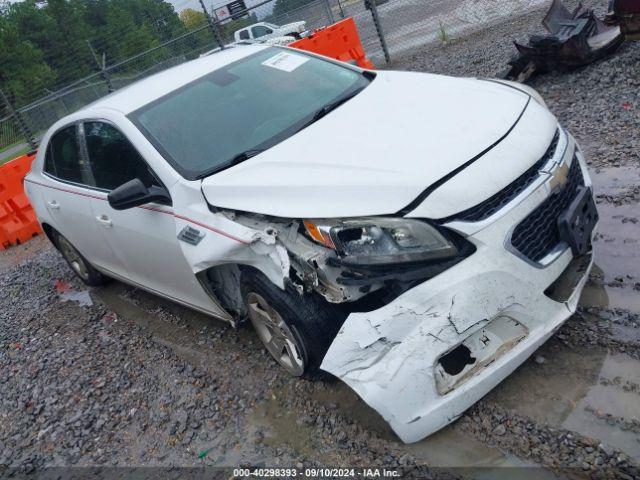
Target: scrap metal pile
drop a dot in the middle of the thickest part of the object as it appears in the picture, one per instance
(626, 14)
(575, 38)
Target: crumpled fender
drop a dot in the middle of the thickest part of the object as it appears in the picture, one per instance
(225, 241)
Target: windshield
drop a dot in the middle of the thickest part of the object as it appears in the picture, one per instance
(247, 106)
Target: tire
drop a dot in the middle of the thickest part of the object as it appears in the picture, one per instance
(310, 323)
(80, 265)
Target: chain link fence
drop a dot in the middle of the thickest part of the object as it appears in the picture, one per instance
(116, 54)
(405, 26)
(112, 59)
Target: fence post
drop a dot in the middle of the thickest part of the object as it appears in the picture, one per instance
(22, 124)
(329, 11)
(376, 21)
(214, 28)
(103, 69)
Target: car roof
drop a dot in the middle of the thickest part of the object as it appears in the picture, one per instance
(142, 92)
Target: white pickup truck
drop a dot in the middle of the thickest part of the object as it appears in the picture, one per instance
(265, 31)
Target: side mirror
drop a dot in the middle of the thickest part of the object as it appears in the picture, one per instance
(134, 193)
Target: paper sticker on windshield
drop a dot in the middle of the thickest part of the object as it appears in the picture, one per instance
(285, 61)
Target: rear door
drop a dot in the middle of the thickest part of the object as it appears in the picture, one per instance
(144, 238)
(67, 195)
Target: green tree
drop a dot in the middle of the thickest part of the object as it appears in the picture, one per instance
(192, 19)
(22, 69)
(58, 30)
(49, 40)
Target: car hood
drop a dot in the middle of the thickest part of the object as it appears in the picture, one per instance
(378, 152)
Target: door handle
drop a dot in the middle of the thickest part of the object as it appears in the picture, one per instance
(104, 221)
(53, 205)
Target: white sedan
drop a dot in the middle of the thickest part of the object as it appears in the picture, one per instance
(415, 235)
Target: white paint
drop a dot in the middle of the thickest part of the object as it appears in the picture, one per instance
(376, 153)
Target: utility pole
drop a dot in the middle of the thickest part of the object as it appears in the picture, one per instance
(212, 25)
(327, 8)
(376, 21)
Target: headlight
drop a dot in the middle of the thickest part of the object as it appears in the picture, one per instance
(379, 241)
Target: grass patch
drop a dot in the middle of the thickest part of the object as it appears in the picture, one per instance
(16, 154)
(442, 34)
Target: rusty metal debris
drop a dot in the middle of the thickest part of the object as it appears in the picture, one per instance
(626, 15)
(575, 39)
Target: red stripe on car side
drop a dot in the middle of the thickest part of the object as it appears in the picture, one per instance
(147, 207)
(213, 229)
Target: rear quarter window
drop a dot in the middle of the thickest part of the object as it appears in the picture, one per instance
(62, 158)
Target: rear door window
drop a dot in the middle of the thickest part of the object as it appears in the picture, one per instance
(114, 160)
(260, 31)
(244, 35)
(63, 159)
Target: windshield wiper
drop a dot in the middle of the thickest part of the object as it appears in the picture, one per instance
(235, 160)
(241, 157)
(329, 107)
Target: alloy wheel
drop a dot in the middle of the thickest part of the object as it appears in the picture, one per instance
(74, 258)
(276, 335)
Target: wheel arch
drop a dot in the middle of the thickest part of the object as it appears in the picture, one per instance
(223, 282)
(50, 232)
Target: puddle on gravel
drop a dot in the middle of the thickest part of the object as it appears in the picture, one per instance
(613, 180)
(181, 338)
(617, 242)
(585, 390)
(596, 294)
(617, 245)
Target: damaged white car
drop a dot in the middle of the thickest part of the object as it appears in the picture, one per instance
(415, 235)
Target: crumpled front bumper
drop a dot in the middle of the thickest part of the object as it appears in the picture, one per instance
(390, 356)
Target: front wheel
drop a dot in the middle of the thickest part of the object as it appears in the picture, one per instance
(296, 330)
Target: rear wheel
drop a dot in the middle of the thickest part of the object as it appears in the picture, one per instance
(296, 330)
(80, 266)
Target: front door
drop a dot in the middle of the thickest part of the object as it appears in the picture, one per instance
(144, 238)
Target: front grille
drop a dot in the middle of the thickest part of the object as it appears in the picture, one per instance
(491, 205)
(537, 235)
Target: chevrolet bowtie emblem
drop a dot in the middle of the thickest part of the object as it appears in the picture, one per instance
(559, 177)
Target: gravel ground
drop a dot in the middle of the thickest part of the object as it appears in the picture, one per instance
(134, 380)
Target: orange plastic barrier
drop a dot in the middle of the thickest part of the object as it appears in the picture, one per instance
(18, 221)
(340, 41)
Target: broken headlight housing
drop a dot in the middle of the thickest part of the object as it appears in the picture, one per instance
(380, 241)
